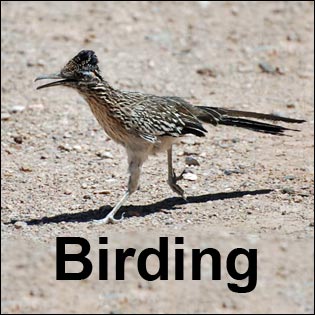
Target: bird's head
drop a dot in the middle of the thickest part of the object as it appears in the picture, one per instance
(81, 71)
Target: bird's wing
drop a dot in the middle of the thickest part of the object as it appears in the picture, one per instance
(156, 116)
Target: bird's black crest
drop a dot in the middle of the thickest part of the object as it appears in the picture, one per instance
(85, 57)
(85, 60)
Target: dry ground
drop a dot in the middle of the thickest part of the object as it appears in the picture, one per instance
(59, 171)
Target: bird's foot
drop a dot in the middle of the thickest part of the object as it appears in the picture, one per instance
(109, 219)
(172, 181)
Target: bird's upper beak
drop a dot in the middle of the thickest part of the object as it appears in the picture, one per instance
(54, 76)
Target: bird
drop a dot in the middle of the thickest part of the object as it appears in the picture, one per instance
(145, 124)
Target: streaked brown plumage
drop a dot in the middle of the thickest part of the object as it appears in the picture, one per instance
(146, 124)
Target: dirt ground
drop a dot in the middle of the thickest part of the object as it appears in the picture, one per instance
(59, 171)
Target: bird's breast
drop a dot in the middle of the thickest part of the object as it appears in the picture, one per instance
(112, 126)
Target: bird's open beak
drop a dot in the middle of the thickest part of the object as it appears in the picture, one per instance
(52, 77)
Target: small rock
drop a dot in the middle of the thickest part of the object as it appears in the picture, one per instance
(287, 190)
(104, 154)
(268, 68)
(230, 172)
(289, 177)
(101, 192)
(84, 186)
(67, 192)
(190, 176)
(20, 225)
(188, 140)
(311, 224)
(18, 139)
(189, 160)
(17, 109)
(77, 148)
(298, 199)
(235, 11)
(86, 197)
(64, 147)
(209, 72)
(25, 168)
(151, 63)
(227, 172)
(67, 135)
(5, 116)
(290, 105)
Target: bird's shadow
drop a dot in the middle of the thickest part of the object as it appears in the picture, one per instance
(141, 210)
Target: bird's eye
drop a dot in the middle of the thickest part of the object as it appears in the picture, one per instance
(87, 74)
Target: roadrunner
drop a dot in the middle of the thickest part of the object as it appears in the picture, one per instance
(146, 124)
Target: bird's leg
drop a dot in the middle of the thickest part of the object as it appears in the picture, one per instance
(133, 184)
(110, 217)
(172, 178)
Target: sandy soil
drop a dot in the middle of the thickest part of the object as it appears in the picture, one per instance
(59, 171)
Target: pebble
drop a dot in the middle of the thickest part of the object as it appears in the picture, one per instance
(230, 172)
(268, 68)
(77, 148)
(17, 109)
(235, 11)
(25, 168)
(67, 135)
(151, 63)
(104, 154)
(188, 140)
(5, 116)
(289, 177)
(101, 192)
(67, 192)
(189, 160)
(84, 186)
(20, 225)
(18, 139)
(298, 199)
(287, 190)
(209, 72)
(64, 147)
(190, 176)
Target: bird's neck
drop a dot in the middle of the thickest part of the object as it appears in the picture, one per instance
(101, 92)
(104, 103)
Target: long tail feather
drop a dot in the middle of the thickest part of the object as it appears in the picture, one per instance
(216, 115)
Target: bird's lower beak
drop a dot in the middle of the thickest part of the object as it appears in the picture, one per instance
(51, 77)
